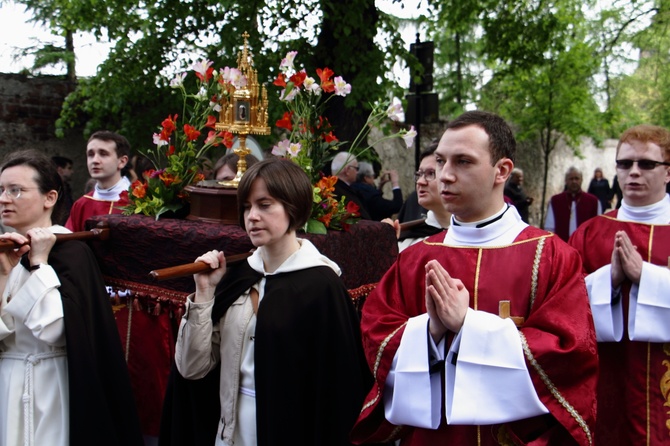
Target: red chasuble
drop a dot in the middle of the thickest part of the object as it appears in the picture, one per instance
(634, 381)
(87, 207)
(540, 276)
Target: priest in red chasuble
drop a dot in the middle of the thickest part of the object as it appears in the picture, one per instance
(482, 336)
(572, 207)
(625, 254)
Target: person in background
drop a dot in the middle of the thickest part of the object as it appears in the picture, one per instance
(572, 207)
(600, 187)
(372, 197)
(466, 350)
(64, 168)
(225, 168)
(63, 377)
(278, 332)
(345, 167)
(106, 156)
(437, 217)
(517, 196)
(616, 191)
(625, 256)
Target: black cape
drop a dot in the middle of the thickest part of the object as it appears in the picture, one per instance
(102, 408)
(311, 374)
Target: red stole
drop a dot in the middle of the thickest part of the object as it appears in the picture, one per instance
(587, 207)
(634, 381)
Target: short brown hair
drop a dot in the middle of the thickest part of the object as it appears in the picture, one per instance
(501, 139)
(122, 144)
(285, 182)
(648, 133)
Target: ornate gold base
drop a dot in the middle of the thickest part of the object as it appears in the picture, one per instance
(213, 203)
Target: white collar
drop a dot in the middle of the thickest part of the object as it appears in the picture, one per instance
(503, 231)
(113, 193)
(307, 256)
(657, 213)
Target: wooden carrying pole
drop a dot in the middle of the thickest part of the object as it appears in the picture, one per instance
(99, 233)
(175, 272)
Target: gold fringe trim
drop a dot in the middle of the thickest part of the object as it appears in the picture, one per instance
(665, 383)
(552, 388)
(536, 272)
(378, 360)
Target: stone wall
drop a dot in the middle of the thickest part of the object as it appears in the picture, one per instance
(29, 108)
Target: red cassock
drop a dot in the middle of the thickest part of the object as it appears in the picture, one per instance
(87, 207)
(540, 276)
(634, 381)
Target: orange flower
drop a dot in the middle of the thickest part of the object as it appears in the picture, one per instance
(298, 78)
(329, 137)
(168, 178)
(228, 140)
(327, 184)
(191, 132)
(211, 122)
(327, 84)
(325, 219)
(280, 81)
(169, 125)
(139, 189)
(286, 121)
(198, 177)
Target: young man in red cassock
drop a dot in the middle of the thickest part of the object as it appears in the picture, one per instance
(572, 207)
(106, 155)
(482, 336)
(626, 255)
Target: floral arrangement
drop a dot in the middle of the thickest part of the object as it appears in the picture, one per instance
(182, 141)
(310, 141)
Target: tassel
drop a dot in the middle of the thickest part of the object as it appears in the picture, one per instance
(179, 313)
(157, 309)
(136, 304)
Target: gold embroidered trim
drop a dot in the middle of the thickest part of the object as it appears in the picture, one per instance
(665, 383)
(476, 290)
(530, 240)
(393, 435)
(536, 271)
(552, 388)
(378, 359)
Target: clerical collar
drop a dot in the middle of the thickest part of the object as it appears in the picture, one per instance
(113, 193)
(499, 230)
(656, 213)
(482, 223)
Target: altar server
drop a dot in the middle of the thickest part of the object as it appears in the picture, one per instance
(626, 255)
(482, 335)
(271, 345)
(63, 379)
(106, 158)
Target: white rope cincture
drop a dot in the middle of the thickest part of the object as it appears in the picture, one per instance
(28, 392)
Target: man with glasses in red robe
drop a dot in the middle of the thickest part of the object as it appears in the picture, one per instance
(626, 256)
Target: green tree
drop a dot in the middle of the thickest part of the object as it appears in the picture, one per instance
(543, 79)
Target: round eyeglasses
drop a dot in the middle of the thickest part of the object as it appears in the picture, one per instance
(14, 192)
(428, 174)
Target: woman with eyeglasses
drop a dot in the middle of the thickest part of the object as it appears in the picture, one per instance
(428, 197)
(63, 379)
